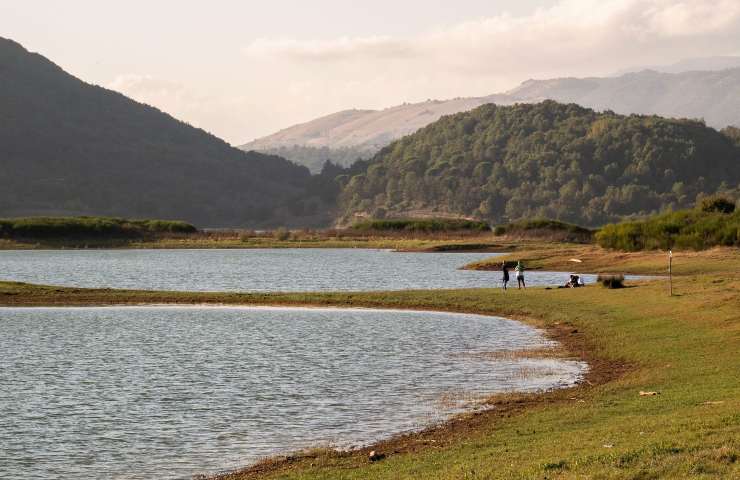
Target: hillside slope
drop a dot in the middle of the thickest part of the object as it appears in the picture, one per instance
(68, 147)
(549, 160)
(345, 136)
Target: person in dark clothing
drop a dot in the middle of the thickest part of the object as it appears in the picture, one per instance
(505, 271)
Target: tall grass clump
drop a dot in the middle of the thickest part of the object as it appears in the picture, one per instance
(706, 226)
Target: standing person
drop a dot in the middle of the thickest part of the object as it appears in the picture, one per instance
(520, 274)
(505, 271)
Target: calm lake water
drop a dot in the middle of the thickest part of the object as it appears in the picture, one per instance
(269, 270)
(168, 392)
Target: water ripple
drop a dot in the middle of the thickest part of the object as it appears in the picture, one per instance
(134, 393)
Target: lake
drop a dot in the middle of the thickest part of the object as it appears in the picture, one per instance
(168, 392)
(257, 270)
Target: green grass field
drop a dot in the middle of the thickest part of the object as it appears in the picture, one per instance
(685, 347)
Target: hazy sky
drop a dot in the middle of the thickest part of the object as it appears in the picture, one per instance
(243, 69)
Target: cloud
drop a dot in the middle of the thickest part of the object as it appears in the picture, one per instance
(338, 49)
(690, 18)
(572, 33)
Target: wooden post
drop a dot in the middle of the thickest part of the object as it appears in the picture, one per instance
(670, 272)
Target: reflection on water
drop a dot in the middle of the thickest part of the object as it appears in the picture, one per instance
(150, 392)
(269, 270)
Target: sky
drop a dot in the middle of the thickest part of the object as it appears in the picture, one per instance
(245, 69)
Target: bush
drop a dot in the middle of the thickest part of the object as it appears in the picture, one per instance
(689, 229)
(611, 281)
(168, 226)
(717, 203)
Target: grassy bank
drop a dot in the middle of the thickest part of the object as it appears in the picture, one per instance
(546, 230)
(75, 232)
(441, 241)
(594, 259)
(88, 227)
(637, 339)
(441, 235)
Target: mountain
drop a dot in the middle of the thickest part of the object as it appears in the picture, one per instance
(564, 162)
(342, 137)
(68, 147)
(345, 136)
(691, 65)
(710, 95)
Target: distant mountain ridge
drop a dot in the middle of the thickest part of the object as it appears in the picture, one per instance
(345, 136)
(71, 148)
(710, 95)
(690, 65)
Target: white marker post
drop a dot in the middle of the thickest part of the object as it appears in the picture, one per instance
(670, 272)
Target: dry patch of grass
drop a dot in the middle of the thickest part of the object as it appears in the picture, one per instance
(594, 259)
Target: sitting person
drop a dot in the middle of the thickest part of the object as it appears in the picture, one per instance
(575, 281)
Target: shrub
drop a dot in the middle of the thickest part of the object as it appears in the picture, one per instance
(168, 226)
(717, 203)
(689, 229)
(611, 281)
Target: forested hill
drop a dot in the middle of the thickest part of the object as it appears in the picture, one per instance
(68, 147)
(565, 162)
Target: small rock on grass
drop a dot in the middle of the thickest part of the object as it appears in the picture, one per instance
(648, 394)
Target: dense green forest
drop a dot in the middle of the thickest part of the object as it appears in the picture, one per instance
(70, 148)
(545, 160)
